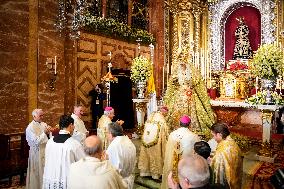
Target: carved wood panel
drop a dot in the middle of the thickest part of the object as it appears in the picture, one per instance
(92, 60)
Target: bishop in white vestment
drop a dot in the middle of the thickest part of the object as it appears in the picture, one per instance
(80, 131)
(154, 141)
(60, 152)
(181, 142)
(121, 153)
(36, 137)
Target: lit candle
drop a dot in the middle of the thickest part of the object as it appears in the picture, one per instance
(210, 70)
(256, 85)
(163, 78)
(55, 65)
(280, 85)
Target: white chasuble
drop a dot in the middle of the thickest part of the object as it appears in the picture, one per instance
(152, 150)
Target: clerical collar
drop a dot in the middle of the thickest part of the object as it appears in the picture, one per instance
(62, 136)
(64, 132)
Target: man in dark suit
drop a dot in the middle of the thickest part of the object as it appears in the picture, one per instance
(97, 103)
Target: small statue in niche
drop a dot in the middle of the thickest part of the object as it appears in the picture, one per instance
(242, 48)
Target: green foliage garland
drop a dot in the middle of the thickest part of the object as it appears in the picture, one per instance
(111, 28)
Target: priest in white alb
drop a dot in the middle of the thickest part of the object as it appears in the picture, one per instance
(154, 141)
(36, 136)
(80, 131)
(104, 121)
(121, 152)
(60, 152)
(180, 143)
(93, 171)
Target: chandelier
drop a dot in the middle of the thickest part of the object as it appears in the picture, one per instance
(71, 16)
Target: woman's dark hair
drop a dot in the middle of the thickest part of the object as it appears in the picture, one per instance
(65, 121)
(221, 128)
(203, 149)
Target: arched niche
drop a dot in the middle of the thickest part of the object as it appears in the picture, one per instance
(252, 19)
(219, 12)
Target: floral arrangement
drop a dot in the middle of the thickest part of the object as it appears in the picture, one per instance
(238, 65)
(111, 28)
(140, 69)
(259, 98)
(267, 62)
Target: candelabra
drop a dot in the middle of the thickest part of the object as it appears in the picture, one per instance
(138, 45)
(51, 64)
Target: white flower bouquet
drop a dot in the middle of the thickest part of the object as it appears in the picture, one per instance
(140, 69)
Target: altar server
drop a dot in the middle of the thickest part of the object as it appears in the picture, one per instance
(227, 161)
(60, 152)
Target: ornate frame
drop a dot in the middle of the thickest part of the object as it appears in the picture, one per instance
(217, 17)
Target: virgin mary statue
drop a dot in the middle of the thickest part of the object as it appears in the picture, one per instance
(187, 94)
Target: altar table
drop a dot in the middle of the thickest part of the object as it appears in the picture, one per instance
(239, 112)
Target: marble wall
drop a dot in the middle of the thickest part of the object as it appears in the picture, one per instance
(14, 36)
(27, 39)
(50, 44)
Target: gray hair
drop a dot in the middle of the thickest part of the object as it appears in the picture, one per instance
(93, 150)
(195, 168)
(115, 129)
(36, 111)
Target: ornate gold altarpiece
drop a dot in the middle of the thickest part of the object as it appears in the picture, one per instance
(186, 24)
(201, 25)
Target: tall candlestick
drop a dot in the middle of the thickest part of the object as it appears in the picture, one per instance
(163, 78)
(280, 85)
(256, 85)
(210, 70)
(55, 65)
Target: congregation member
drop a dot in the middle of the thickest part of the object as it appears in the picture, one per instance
(193, 172)
(60, 152)
(227, 161)
(37, 134)
(180, 143)
(203, 149)
(154, 141)
(93, 171)
(104, 121)
(121, 152)
(80, 131)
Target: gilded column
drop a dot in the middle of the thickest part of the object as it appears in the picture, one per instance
(196, 13)
(175, 44)
(130, 6)
(33, 56)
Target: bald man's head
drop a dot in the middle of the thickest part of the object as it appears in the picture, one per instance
(93, 145)
(195, 170)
